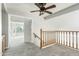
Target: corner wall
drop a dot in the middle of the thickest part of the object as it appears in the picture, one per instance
(5, 23)
(0, 30)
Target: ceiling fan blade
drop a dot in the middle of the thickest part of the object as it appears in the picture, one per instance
(52, 6)
(37, 4)
(48, 12)
(35, 11)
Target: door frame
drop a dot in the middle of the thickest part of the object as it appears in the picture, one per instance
(9, 20)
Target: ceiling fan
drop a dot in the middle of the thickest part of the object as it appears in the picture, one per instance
(43, 9)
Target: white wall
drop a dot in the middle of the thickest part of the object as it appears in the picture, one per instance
(0, 31)
(37, 24)
(27, 31)
(69, 21)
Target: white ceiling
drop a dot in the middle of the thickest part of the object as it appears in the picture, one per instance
(27, 7)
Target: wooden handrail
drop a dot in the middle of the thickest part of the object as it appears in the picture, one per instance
(61, 31)
(36, 36)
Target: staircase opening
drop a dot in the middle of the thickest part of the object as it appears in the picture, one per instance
(66, 38)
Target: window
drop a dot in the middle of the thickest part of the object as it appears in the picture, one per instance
(19, 28)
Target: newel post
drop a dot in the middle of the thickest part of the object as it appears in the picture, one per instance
(40, 38)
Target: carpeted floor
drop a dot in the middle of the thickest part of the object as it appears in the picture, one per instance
(29, 49)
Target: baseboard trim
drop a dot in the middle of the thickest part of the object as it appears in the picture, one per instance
(48, 45)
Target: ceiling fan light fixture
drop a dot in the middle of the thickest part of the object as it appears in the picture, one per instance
(43, 9)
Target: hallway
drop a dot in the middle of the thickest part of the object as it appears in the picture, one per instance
(29, 49)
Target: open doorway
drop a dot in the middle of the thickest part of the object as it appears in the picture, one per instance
(20, 31)
(16, 33)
